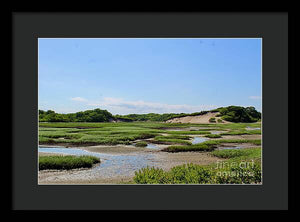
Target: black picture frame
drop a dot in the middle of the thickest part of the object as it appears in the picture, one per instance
(272, 27)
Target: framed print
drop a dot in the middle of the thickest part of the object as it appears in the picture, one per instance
(150, 111)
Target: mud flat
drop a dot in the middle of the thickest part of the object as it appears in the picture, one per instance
(167, 160)
(119, 165)
(123, 149)
(248, 137)
(120, 162)
(51, 154)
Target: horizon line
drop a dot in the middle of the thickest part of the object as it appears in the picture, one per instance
(148, 112)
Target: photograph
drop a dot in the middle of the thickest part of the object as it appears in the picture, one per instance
(150, 111)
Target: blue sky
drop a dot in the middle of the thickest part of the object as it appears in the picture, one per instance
(148, 75)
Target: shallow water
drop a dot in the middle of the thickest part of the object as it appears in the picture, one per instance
(177, 129)
(111, 164)
(252, 128)
(70, 151)
(217, 132)
(197, 140)
(231, 148)
(152, 146)
(187, 129)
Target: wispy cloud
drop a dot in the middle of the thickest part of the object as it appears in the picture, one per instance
(255, 97)
(121, 106)
(79, 99)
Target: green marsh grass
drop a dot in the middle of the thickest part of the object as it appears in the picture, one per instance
(238, 126)
(66, 162)
(213, 136)
(232, 171)
(80, 133)
(188, 148)
(242, 132)
(196, 132)
(234, 153)
(141, 144)
(177, 139)
(209, 145)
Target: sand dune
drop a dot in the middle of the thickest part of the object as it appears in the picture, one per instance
(195, 119)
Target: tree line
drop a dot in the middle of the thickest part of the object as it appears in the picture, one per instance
(156, 116)
(239, 114)
(230, 113)
(96, 115)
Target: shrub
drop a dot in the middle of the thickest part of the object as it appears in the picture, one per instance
(189, 174)
(197, 174)
(212, 120)
(184, 174)
(239, 175)
(151, 176)
(239, 114)
(96, 115)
